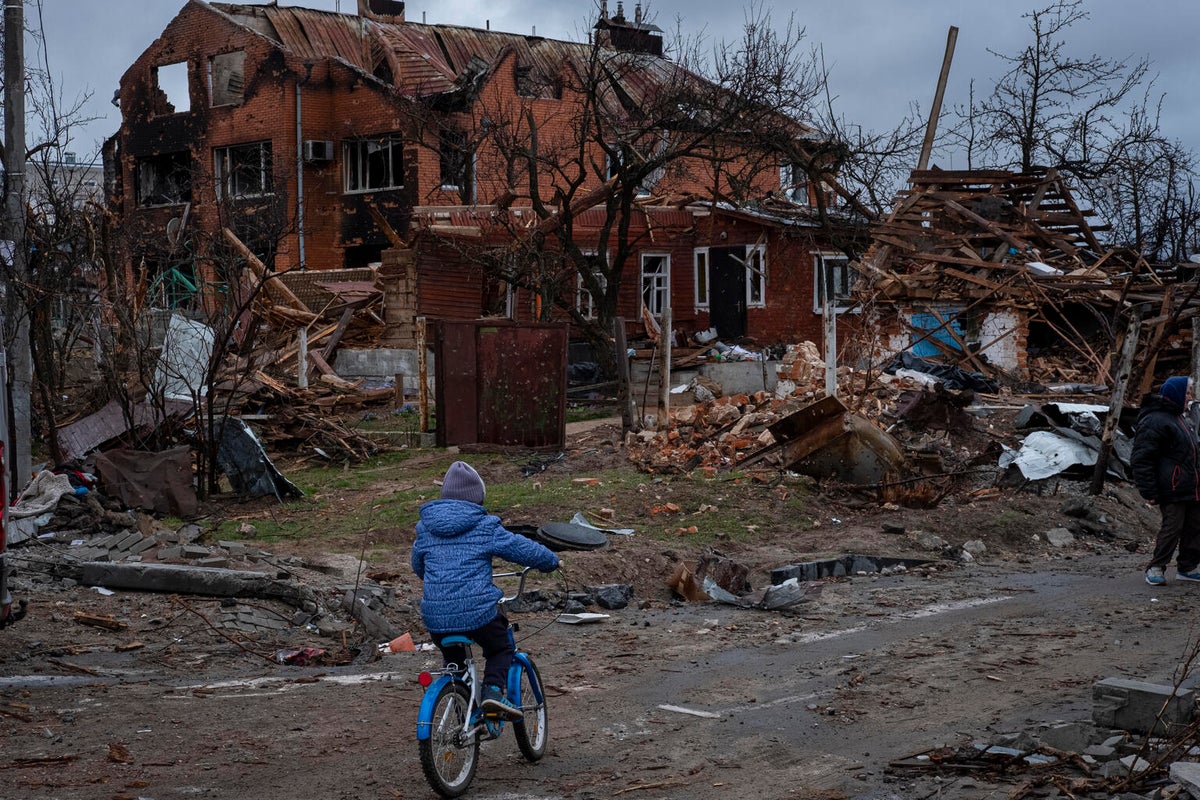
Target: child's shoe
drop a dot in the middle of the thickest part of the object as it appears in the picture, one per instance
(495, 705)
(1155, 576)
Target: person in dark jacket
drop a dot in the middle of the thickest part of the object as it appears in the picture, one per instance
(452, 555)
(1167, 474)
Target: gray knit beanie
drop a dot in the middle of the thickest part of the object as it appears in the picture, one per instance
(462, 482)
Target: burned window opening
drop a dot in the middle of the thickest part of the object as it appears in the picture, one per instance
(1045, 336)
(226, 78)
(242, 170)
(374, 164)
(457, 163)
(164, 179)
(171, 81)
(532, 84)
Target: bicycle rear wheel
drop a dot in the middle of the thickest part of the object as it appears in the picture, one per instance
(531, 731)
(449, 757)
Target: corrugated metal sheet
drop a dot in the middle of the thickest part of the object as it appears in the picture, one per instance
(430, 59)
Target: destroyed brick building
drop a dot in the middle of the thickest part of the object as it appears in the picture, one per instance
(340, 141)
(1003, 273)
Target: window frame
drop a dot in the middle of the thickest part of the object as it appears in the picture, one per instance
(582, 292)
(354, 151)
(457, 141)
(661, 288)
(756, 276)
(225, 172)
(184, 166)
(701, 281)
(820, 260)
(793, 189)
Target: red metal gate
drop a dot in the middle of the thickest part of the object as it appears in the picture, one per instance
(500, 383)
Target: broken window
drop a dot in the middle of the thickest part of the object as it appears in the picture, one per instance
(457, 163)
(793, 182)
(226, 78)
(172, 81)
(533, 84)
(656, 272)
(700, 263)
(242, 170)
(585, 302)
(832, 272)
(756, 276)
(373, 164)
(164, 179)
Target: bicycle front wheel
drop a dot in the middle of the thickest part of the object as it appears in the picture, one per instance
(449, 756)
(531, 731)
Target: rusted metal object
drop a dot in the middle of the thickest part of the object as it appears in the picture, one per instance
(825, 440)
(500, 384)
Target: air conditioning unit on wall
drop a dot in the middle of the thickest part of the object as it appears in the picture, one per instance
(318, 150)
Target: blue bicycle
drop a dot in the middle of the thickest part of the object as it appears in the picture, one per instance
(450, 724)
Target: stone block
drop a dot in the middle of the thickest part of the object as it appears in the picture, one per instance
(145, 544)
(170, 553)
(195, 551)
(214, 561)
(1142, 707)
(1072, 737)
(125, 541)
(1187, 775)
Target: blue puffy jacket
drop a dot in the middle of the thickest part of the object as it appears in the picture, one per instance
(456, 541)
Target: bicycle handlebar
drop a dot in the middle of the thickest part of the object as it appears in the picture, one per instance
(520, 586)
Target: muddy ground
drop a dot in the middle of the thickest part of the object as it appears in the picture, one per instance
(822, 700)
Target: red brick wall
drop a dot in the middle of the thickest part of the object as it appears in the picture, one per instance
(338, 104)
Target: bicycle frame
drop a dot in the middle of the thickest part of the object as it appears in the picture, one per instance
(467, 675)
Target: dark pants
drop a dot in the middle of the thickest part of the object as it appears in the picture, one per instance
(493, 641)
(1180, 528)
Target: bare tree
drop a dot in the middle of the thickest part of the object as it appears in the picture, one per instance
(629, 125)
(1052, 108)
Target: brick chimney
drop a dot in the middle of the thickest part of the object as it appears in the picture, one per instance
(632, 36)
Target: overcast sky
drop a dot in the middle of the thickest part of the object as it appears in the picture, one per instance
(884, 54)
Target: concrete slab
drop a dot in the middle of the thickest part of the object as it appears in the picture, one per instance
(1142, 707)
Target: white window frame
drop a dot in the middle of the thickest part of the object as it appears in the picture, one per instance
(756, 276)
(660, 288)
(792, 188)
(356, 151)
(225, 175)
(819, 262)
(701, 277)
(610, 172)
(583, 297)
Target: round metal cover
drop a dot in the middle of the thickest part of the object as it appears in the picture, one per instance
(569, 536)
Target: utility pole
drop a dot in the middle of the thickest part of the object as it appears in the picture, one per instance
(20, 359)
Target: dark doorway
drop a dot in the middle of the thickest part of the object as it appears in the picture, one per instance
(727, 305)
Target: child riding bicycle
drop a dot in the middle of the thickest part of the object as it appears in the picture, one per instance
(452, 555)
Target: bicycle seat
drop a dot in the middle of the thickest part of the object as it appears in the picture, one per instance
(457, 640)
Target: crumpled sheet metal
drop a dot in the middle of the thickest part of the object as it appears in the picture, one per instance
(1046, 453)
(825, 440)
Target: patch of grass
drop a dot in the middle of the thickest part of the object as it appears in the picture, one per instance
(585, 413)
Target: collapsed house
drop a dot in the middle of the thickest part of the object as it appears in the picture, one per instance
(1002, 273)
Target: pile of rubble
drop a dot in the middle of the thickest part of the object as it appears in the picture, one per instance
(1134, 747)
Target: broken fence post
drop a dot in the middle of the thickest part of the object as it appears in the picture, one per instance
(1117, 401)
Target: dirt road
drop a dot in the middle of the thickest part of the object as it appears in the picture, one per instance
(807, 705)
